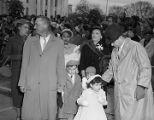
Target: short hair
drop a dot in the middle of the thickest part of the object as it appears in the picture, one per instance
(91, 69)
(95, 80)
(45, 19)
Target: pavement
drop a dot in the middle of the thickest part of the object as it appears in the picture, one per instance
(7, 112)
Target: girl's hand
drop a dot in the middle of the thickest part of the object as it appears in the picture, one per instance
(102, 101)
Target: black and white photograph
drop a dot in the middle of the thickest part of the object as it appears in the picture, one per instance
(76, 59)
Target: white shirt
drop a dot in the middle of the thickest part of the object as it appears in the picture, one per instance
(120, 49)
(72, 78)
(42, 40)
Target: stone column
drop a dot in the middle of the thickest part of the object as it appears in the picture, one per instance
(58, 7)
(49, 8)
(66, 8)
(38, 7)
(44, 6)
(53, 8)
(1, 11)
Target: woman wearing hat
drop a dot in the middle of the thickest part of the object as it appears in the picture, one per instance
(131, 70)
(92, 51)
(69, 48)
(14, 51)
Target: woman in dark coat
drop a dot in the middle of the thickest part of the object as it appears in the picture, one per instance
(93, 51)
(14, 51)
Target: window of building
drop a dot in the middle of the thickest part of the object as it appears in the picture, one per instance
(55, 13)
(46, 2)
(56, 2)
(36, 10)
(46, 12)
(27, 10)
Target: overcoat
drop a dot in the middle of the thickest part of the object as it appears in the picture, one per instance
(14, 49)
(71, 94)
(129, 69)
(42, 74)
(91, 56)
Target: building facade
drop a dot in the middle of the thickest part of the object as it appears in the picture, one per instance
(46, 7)
(40, 7)
(3, 7)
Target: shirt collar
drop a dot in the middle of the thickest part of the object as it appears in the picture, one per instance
(46, 38)
(121, 47)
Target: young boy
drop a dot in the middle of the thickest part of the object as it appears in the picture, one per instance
(72, 91)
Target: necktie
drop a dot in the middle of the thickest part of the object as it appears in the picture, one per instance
(44, 43)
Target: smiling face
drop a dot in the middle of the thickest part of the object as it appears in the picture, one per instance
(96, 35)
(66, 37)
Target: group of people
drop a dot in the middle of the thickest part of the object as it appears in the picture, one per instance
(54, 78)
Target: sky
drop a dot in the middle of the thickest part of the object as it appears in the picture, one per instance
(102, 3)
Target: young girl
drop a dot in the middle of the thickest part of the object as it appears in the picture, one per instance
(91, 101)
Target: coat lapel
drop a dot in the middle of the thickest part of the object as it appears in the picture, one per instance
(48, 46)
(37, 44)
(70, 80)
(124, 51)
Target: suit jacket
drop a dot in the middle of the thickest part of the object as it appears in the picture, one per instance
(71, 94)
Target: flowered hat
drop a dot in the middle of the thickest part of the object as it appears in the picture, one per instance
(93, 77)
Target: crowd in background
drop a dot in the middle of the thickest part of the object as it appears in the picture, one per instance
(140, 30)
(80, 26)
(80, 32)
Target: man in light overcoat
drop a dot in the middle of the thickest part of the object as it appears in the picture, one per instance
(42, 73)
(131, 69)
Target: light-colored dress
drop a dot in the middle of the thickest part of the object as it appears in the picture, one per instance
(71, 52)
(91, 105)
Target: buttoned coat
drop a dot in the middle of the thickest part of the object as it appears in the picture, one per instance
(130, 69)
(71, 94)
(42, 73)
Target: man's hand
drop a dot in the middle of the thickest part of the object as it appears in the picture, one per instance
(22, 89)
(140, 92)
